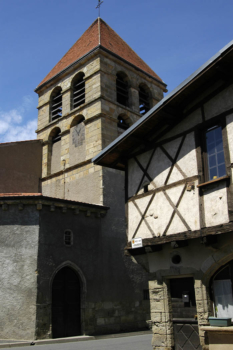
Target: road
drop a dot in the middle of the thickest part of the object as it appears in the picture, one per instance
(138, 342)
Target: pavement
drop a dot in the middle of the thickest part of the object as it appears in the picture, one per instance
(10, 343)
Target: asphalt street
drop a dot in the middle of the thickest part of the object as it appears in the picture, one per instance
(139, 342)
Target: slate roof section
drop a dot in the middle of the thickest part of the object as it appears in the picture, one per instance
(99, 34)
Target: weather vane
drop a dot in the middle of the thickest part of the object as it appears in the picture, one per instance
(98, 6)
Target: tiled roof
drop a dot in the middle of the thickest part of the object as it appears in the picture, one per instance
(99, 33)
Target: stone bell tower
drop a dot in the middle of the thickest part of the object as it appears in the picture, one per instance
(98, 89)
(94, 93)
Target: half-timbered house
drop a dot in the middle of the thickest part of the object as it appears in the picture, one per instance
(179, 206)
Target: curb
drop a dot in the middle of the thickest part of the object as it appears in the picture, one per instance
(45, 341)
(18, 343)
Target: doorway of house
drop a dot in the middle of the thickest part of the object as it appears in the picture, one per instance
(66, 315)
(184, 313)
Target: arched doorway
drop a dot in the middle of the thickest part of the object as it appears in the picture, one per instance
(66, 314)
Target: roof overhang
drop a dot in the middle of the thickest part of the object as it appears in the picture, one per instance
(168, 112)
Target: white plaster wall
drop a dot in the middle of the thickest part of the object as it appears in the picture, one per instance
(160, 211)
(160, 164)
(159, 168)
(215, 204)
(135, 217)
(188, 208)
(220, 103)
(189, 122)
(229, 125)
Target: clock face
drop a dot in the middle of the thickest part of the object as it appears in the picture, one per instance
(78, 135)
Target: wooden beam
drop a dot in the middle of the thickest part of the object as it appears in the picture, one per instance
(187, 235)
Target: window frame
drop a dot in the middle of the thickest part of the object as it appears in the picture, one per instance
(206, 155)
(205, 166)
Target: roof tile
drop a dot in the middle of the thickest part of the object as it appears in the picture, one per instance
(99, 33)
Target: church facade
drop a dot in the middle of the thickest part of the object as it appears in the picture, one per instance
(63, 231)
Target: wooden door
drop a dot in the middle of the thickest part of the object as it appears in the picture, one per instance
(66, 320)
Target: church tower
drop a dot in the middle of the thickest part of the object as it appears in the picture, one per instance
(95, 92)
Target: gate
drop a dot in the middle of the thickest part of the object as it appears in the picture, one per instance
(186, 334)
(185, 325)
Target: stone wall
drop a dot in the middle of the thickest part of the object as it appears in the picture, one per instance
(112, 294)
(19, 236)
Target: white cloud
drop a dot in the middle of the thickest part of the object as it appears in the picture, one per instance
(13, 126)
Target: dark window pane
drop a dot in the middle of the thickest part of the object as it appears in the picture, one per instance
(221, 170)
(218, 133)
(220, 158)
(212, 161)
(215, 154)
(211, 148)
(209, 137)
(219, 145)
(213, 173)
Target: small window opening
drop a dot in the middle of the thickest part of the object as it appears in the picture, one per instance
(144, 100)
(56, 105)
(215, 153)
(122, 123)
(176, 259)
(68, 238)
(79, 91)
(122, 89)
(146, 295)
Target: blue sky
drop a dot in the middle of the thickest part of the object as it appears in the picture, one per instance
(174, 37)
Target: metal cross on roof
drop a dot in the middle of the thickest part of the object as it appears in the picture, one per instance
(98, 6)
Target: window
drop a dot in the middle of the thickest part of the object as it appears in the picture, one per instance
(122, 89)
(56, 137)
(144, 100)
(221, 288)
(68, 238)
(122, 124)
(215, 162)
(56, 104)
(54, 154)
(78, 97)
(146, 295)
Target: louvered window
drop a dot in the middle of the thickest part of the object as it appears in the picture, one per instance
(122, 89)
(56, 104)
(122, 123)
(79, 91)
(144, 100)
